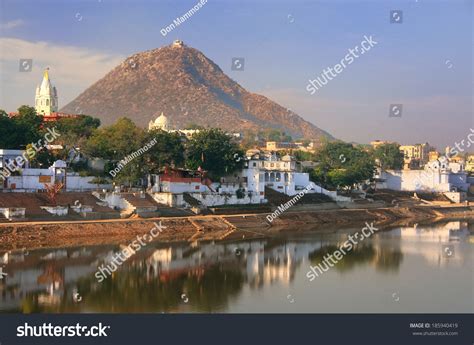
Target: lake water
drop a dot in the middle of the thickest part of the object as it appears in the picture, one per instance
(419, 269)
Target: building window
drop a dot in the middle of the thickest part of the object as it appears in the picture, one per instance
(278, 177)
(272, 177)
(47, 102)
(254, 164)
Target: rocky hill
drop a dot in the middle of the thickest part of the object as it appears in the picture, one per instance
(187, 87)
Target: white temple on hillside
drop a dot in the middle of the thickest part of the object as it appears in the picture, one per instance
(161, 122)
(46, 99)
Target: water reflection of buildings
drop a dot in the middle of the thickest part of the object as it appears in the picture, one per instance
(259, 261)
(430, 242)
(46, 278)
(43, 275)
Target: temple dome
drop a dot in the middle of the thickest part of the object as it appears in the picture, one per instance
(161, 122)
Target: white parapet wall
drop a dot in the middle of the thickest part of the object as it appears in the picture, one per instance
(33, 180)
(56, 210)
(13, 212)
(208, 199)
(215, 199)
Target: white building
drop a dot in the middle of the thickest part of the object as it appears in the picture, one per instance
(247, 186)
(182, 188)
(9, 159)
(271, 171)
(46, 98)
(33, 180)
(162, 123)
(437, 176)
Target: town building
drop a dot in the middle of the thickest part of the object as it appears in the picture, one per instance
(470, 164)
(286, 146)
(377, 143)
(9, 157)
(415, 156)
(34, 180)
(279, 145)
(433, 155)
(280, 174)
(439, 176)
(185, 188)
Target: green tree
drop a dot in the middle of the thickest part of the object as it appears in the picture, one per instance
(275, 135)
(10, 136)
(74, 131)
(21, 130)
(304, 155)
(250, 139)
(389, 156)
(167, 150)
(40, 159)
(214, 151)
(116, 141)
(29, 124)
(193, 126)
(342, 166)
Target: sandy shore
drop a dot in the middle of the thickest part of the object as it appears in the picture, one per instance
(14, 236)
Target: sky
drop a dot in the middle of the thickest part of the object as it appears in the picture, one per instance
(424, 61)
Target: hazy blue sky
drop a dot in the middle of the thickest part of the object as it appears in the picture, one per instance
(424, 63)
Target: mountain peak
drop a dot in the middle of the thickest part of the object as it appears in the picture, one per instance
(190, 88)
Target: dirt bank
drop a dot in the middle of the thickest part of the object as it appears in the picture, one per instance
(39, 235)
